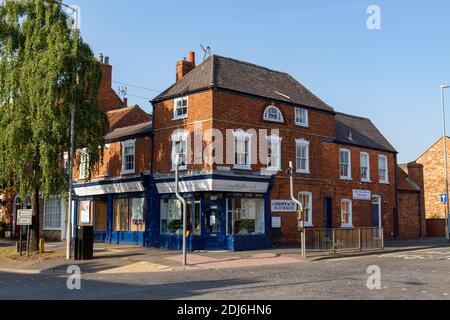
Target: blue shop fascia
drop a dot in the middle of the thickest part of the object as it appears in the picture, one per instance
(226, 211)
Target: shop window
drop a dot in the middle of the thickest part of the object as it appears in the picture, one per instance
(100, 209)
(172, 217)
(121, 222)
(129, 214)
(52, 213)
(230, 216)
(248, 216)
(137, 212)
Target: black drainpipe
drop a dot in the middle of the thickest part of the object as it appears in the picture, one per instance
(396, 220)
(152, 137)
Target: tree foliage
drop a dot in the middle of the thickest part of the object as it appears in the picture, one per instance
(44, 68)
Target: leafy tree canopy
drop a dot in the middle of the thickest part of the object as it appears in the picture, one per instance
(44, 68)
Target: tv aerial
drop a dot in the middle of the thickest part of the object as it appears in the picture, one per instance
(123, 91)
(207, 51)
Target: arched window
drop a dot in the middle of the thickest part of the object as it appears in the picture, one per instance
(273, 114)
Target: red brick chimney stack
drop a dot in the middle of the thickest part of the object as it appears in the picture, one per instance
(185, 66)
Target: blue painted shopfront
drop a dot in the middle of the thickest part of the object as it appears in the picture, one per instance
(211, 228)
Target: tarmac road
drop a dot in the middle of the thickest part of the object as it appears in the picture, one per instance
(411, 275)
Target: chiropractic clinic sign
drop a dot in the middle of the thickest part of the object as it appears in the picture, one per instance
(284, 206)
(362, 195)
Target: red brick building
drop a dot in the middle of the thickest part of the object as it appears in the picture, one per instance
(235, 127)
(346, 171)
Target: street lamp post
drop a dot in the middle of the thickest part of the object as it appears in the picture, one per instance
(301, 218)
(447, 211)
(184, 204)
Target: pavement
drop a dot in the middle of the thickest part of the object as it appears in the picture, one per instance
(412, 275)
(121, 259)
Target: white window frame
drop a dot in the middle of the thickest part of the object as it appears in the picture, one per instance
(349, 176)
(126, 144)
(302, 143)
(242, 136)
(84, 164)
(45, 227)
(274, 141)
(180, 136)
(365, 154)
(280, 118)
(297, 122)
(385, 158)
(175, 108)
(350, 206)
(309, 221)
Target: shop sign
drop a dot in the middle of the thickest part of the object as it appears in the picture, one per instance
(284, 206)
(362, 195)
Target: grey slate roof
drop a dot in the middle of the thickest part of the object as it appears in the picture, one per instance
(361, 132)
(230, 74)
(129, 131)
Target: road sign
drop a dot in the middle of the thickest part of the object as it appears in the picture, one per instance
(443, 198)
(25, 218)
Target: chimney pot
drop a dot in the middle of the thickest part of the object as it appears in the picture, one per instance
(106, 60)
(101, 57)
(192, 57)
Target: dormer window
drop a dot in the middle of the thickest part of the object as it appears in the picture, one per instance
(273, 114)
(180, 108)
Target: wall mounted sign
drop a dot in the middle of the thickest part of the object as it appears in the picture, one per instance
(362, 195)
(276, 222)
(214, 185)
(284, 206)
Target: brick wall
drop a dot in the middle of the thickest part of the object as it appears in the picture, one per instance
(434, 179)
(111, 166)
(436, 228)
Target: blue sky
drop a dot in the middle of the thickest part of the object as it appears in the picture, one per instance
(390, 75)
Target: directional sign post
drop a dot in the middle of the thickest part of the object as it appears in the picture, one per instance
(24, 218)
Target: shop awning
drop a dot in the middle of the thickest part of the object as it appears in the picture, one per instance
(214, 185)
(110, 188)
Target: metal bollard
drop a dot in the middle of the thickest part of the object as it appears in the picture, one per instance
(41, 246)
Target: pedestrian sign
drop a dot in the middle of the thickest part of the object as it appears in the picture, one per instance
(443, 198)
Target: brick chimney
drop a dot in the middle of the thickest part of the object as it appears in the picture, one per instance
(415, 173)
(185, 66)
(107, 98)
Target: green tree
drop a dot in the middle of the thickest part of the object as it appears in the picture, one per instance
(44, 68)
